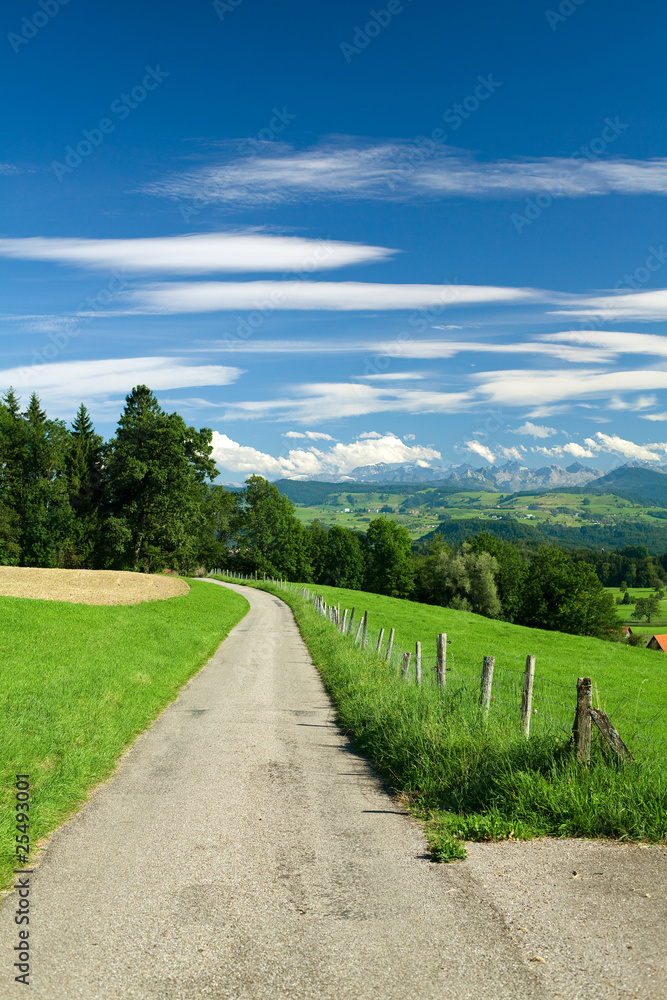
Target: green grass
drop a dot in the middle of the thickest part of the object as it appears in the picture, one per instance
(471, 777)
(627, 611)
(622, 671)
(78, 683)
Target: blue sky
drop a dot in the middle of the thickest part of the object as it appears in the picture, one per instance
(343, 234)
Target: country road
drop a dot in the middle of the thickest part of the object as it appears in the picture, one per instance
(243, 850)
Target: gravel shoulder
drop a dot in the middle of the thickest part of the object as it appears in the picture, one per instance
(243, 850)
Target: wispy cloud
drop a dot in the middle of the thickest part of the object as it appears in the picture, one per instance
(542, 388)
(316, 402)
(341, 459)
(63, 385)
(203, 253)
(389, 171)
(267, 296)
(646, 307)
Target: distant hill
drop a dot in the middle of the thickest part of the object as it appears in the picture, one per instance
(597, 537)
(633, 482)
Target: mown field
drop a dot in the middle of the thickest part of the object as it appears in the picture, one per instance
(470, 776)
(78, 683)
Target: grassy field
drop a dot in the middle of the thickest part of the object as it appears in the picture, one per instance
(420, 512)
(473, 777)
(626, 612)
(78, 683)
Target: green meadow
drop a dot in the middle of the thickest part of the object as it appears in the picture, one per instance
(78, 683)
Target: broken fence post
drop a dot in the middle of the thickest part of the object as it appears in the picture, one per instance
(527, 700)
(380, 638)
(582, 721)
(418, 662)
(610, 735)
(406, 664)
(364, 634)
(487, 681)
(390, 645)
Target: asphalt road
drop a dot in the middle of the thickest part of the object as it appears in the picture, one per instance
(244, 850)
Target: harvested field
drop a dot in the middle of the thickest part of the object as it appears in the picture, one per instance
(88, 586)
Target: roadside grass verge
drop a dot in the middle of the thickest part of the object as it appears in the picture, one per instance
(630, 680)
(469, 777)
(79, 682)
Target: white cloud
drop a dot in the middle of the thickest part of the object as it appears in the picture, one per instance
(481, 449)
(571, 448)
(408, 437)
(341, 459)
(642, 306)
(613, 342)
(654, 416)
(63, 385)
(525, 386)
(640, 403)
(618, 445)
(316, 402)
(577, 450)
(401, 171)
(408, 348)
(512, 452)
(393, 377)
(535, 430)
(267, 296)
(201, 253)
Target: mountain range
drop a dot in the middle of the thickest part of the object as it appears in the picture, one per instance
(512, 476)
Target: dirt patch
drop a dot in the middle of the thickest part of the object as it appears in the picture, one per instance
(88, 586)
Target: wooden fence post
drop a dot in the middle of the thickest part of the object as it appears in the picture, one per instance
(356, 638)
(487, 681)
(406, 664)
(364, 634)
(349, 626)
(390, 645)
(344, 622)
(610, 735)
(582, 722)
(380, 638)
(527, 700)
(418, 662)
(441, 662)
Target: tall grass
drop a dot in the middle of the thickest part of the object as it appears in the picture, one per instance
(473, 777)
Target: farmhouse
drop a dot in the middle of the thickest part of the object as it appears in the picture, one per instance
(657, 642)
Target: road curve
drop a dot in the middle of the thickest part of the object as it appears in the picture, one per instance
(243, 850)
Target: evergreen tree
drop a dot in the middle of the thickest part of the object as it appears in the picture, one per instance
(85, 486)
(156, 469)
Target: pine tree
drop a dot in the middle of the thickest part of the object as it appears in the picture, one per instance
(84, 483)
(155, 470)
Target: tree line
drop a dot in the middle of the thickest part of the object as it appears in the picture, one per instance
(145, 501)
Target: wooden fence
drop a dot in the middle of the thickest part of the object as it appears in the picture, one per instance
(585, 715)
